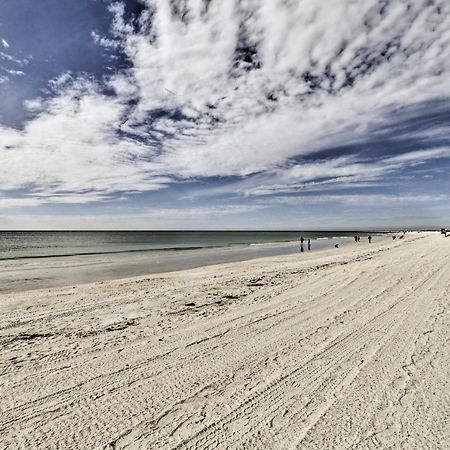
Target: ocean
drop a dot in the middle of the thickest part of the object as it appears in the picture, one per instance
(43, 259)
(42, 244)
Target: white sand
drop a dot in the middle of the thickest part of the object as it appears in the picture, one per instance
(341, 349)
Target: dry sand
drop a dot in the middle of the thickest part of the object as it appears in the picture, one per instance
(340, 349)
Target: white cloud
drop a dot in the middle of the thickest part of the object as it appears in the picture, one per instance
(16, 72)
(12, 59)
(73, 146)
(325, 175)
(107, 43)
(42, 199)
(188, 65)
(4, 43)
(36, 105)
(238, 88)
(419, 156)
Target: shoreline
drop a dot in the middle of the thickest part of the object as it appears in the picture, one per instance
(22, 274)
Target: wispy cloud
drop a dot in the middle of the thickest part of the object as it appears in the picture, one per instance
(167, 218)
(19, 61)
(360, 200)
(325, 175)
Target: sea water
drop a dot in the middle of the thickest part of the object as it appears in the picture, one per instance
(41, 244)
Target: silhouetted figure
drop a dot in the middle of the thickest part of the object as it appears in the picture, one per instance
(336, 245)
(370, 239)
(301, 240)
(301, 248)
(309, 244)
(356, 238)
(359, 238)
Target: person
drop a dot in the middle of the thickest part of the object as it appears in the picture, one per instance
(359, 238)
(309, 244)
(370, 238)
(356, 238)
(301, 248)
(301, 240)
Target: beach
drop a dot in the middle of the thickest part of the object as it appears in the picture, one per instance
(342, 348)
(37, 260)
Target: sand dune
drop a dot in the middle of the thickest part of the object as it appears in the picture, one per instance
(339, 349)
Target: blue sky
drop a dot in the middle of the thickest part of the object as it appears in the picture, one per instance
(210, 114)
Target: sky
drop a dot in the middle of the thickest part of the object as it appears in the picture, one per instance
(214, 114)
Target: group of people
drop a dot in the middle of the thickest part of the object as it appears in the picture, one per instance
(302, 240)
(369, 238)
(301, 244)
(445, 232)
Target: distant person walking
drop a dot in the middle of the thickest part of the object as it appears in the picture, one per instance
(309, 244)
(356, 238)
(370, 239)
